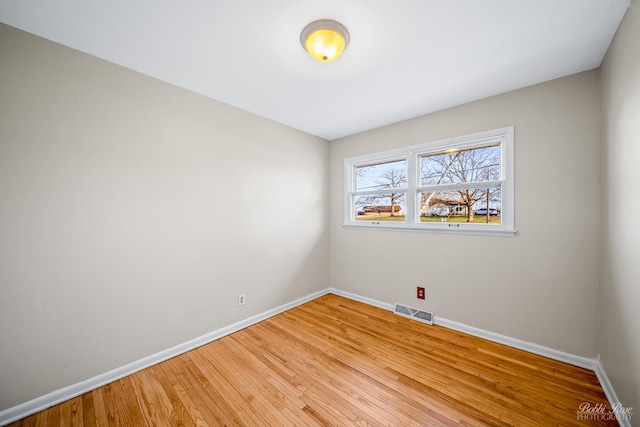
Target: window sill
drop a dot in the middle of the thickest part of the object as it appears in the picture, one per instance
(373, 225)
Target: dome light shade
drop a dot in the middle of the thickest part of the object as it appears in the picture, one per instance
(324, 39)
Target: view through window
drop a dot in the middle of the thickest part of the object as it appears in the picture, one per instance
(465, 183)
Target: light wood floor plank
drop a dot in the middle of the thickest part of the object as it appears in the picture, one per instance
(192, 413)
(179, 415)
(191, 382)
(77, 415)
(101, 414)
(65, 414)
(337, 362)
(113, 420)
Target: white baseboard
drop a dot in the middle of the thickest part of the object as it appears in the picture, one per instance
(365, 300)
(38, 404)
(58, 396)
(572, 359)
(610, 392)
(582, 362)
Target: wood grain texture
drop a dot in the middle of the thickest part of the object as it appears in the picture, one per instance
(334, 362)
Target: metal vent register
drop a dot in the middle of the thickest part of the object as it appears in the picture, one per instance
(413, 313)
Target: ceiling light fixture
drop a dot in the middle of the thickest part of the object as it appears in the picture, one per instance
(324, 39)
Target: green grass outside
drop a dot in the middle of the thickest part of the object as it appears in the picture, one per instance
(476, 219)
(386, 216)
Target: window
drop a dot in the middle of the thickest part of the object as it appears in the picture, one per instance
(460, 185)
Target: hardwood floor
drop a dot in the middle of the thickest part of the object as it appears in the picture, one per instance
(334, 362)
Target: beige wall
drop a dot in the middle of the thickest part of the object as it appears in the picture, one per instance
(620, 293)
(132, 214)
(540, 286)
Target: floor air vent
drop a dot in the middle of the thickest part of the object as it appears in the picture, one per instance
(414, 313)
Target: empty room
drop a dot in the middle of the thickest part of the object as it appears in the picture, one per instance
(296, 213)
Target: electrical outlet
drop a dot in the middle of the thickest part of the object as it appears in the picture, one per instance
(420, 293)
(240, 300)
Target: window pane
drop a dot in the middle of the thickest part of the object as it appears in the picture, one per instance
(380, 207)
(479, 206)
(382, 175)
(470, 165)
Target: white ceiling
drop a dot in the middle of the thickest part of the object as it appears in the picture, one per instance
(406, 57)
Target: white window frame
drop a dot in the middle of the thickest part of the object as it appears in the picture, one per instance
(503, 136)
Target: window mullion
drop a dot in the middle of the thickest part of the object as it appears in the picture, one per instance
(349, 187)
(459, 186)
(410, 195)
(381, 191)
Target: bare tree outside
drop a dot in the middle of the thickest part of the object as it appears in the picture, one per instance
(394, 178)
(391, 178)
(479, 165)
(388, 175)
(446, 170)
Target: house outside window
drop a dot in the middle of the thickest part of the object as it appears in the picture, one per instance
(460, 185)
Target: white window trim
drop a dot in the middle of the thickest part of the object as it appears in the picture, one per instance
(504, 136)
